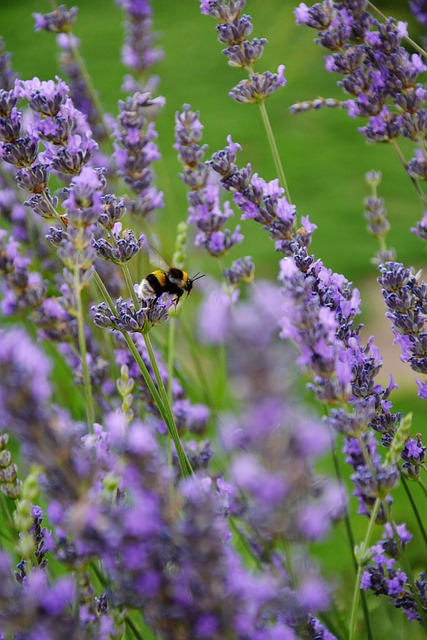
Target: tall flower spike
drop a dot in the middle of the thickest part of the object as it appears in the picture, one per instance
(79, 92)
(204, 208)
(138, 52)
(405, 294)
(7, 76)
(376, 215)
(233, 30)
(135, 150)
(20, 287)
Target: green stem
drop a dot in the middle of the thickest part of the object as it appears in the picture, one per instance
(129, 284)
(414, 508)
(83, 351)
(134, 629)
(170, 421)
(366, 456)
(6, 519)
(422, 485)
(361, 562)
(170, 363)
(274, 149)
(350, 536)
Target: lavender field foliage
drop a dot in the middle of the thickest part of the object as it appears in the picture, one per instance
(233, 464)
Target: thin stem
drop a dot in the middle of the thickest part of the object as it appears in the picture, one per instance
(407, 38)
(274, 149)
(362, 554)
(170, 421)
(132, 626)
(366, 456)
(129, 284)
(415, 182)
(349, 530)
(137, 356)
(82, 348)
(414, 508)
(162, 405)
(170, 363)
(422, 485)
(7, 519)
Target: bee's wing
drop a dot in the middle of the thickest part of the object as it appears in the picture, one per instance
(154, 256)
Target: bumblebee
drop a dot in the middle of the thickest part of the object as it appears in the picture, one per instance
(173, 281)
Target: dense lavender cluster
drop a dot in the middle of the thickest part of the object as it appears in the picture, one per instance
(378, 72)
(164, 477)
(405, 295)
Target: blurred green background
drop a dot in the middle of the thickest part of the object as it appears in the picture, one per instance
(324, 156)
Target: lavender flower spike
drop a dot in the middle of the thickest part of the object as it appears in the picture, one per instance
(233, 30)
(138, 52)
(204, 196)
(405, 294)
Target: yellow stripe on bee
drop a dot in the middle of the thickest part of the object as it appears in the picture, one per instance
(161, 276)
(184, 280)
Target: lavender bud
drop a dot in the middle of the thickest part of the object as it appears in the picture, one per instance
(34, 179)
(21, 153)
(113, 209)
(43, 206)
(59, 21)
(235, 31)
(241, 270)
(8, 101)
(259, 86)
(125, 247)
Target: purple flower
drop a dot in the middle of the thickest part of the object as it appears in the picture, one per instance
(204, 209)
(419, 9)
(215, 317)
(404, 294)
(138, 52)
(421, 228)
(45, 97)
(78, 88)
(135, 150)
(233, 30)
(26, 370)
(125, 246)
(380, 74)
(21, 289)
(59, 21)
(259, 86)
(7, 78)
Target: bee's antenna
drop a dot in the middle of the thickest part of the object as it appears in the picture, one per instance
(198, 276)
